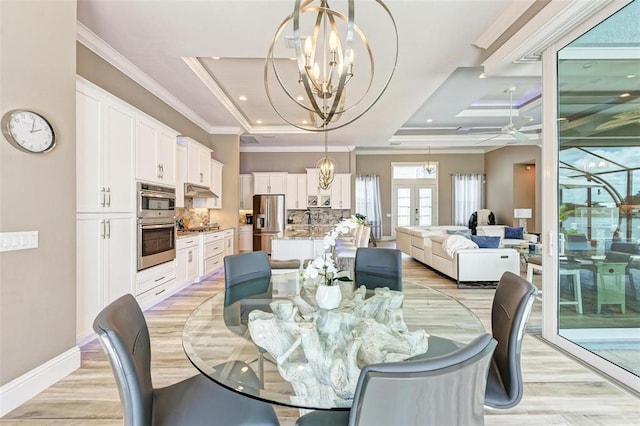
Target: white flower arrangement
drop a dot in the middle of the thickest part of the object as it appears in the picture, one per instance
(324, 265)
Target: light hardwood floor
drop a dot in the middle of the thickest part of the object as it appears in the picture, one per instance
(558, 389)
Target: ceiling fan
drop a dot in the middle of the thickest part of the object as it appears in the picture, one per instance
(621, 119)
(512, 128)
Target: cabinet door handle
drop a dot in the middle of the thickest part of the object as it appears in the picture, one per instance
(104, 229)
(108, 197)
(109, 228)
(104, 198)
(161, 291)
(160, 279)
(190, 256)
(159, 173)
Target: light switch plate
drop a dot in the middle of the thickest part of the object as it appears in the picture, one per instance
(11, 241)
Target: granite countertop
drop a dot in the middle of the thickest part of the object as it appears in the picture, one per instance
(187, 233)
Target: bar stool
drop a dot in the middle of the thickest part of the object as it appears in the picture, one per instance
(568, 271)
(283, 266)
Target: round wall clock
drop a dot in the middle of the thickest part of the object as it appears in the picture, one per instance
(28, 131)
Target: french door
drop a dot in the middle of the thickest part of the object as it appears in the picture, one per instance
(415, 204)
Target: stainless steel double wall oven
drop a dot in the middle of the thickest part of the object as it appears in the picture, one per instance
(156, 226)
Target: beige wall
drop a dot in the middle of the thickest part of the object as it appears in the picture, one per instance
(505, 178)
(37, 192)
(292, 162)
(448, 164)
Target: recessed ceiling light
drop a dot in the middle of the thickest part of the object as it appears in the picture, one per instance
(300, 98)
(292, 59)
(242, 98)
(631, 76)
(563, 119)
(625, 95)
(304, 122)
(258, 121)
(588, 65)
(483, 75)
(215, 57)
(429, 120)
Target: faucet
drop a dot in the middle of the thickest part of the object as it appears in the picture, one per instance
(308, 213)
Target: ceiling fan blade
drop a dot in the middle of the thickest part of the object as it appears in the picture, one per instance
(487, 139)
(519, 136)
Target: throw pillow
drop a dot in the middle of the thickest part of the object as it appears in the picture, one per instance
(464, 232)
(486, 241)
(513, 233)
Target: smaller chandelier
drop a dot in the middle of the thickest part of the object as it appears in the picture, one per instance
(326, 168)
(429, 166)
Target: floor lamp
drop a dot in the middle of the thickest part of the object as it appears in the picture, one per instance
(522, 215)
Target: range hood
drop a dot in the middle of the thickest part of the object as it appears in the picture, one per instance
(196, 191)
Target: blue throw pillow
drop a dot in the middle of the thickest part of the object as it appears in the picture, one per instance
(485, 241)
(464, 232)
(513, 233)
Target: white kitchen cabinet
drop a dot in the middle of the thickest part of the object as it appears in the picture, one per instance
(216, 185)
(245, 238)
(213, 252)
(106, 264)
(269, 183)
(198, 162)
(228, 242)
(313, 187)
(296, 196)
(341, 191)
(316, 196)
(155, 152)
(246, 192)
(188, 259)
(155, 284)
(105, 129)
(181, 170)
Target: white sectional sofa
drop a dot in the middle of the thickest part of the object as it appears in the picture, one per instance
(466, 265)
(498, 231)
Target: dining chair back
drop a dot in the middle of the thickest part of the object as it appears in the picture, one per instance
(510, 312)
(442, 390)
(378, 267)
(246, 266)
(123, 332)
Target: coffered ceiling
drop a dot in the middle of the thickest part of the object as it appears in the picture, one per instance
(201, 56)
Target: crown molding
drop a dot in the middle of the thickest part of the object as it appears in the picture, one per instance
(295, 148)
(509, 15)
(225, 130)
(101, 48)
(549, 25)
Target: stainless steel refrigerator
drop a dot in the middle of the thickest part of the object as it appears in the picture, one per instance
(268, 220)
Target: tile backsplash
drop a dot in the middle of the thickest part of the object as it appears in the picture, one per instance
(319, 216)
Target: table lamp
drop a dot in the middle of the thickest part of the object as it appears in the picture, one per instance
(522, 215)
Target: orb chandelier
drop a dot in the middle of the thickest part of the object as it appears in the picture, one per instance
(326, 41)
(429, 166)
(326, 167)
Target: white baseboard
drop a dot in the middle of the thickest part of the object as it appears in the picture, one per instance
(25, 387)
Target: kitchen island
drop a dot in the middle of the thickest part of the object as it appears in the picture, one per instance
(300, 242)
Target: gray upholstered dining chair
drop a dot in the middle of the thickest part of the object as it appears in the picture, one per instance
(124, 335)
(510, 312)
(246, 266)
(443, 390)
(378, 267)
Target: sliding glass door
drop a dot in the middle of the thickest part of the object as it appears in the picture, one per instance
(597, 267)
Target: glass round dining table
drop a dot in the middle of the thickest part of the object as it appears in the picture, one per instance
(266, 338)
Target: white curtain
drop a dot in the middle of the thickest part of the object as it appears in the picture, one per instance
(467, 196)
(368, 201)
